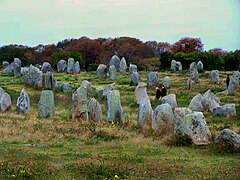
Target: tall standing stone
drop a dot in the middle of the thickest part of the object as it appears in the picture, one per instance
(94, 111)
(115, 61)
(132, 68)
(214, 77)
(141, 92)
(70, 65)
(5, 101)
(234, 83)
(49, 80)
(88, 86)
(193, 72)
(23, 103)
(102, 71)
(46, 67)
(62, 66)
(123, 65)
(34, 76)
(135, 78)
(145, 113)
(114, 109)
(79, 104)
(112, 72)
(200, 66)
(76, 68)
(166, 82)
(17, 64)
(152, 78)
(46, 104)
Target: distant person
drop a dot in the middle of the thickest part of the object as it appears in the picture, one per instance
(164, 91)
(227, 80)
(158, 93)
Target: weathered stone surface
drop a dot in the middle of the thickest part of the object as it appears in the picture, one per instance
(166, 82)
(170, 99)
(46, 104)
(108, 88)
(123, 65)
(23, 103)
(99, 92)
(49, 80)
(62, 66)
(196, 103)
(114, 109)
(210, 101)
(88, 85)
(46, 67)
(176, 65)
(214, 77)
(65, 87)
(234, 83)
(228, 137)
(141, 92)
(5, 101)
(132, 68)
(9, 69)
(94, 111)
(79, 104)
(225, 110)
(190, 85)
(162, 117)
(193, 72)
(102, 71)
(152, 78)
(145, 113)
(34, 77)
(200, 66)
(112, 72)
(17, 64)
(115, 61)
(76, 68)
(5, 64)
(1, 91)
(135, 78)
(70, 65)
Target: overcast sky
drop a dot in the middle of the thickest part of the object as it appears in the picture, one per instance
(33, 22)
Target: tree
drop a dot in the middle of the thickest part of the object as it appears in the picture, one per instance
(8, 53)
(163, 47)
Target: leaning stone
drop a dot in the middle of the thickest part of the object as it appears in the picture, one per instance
(132, 68)
(170, 99)
(5, 64)
(234, 83)
(94, 111)
(112, 72)
(23, 103)
(88, 86)
(115, 61)
(17, 64)
(141, 92)
(214, 77)
(145, 113)
(163, 117)
(200, 66)
(225, 110)
(5, 101)
(152, 78)
(190, 85)
(76, 68)
(108, 88)
(196, 103)
(123, 65)
(62, 66)
(9, 69)
(102, 71)
(193, 72)
(166, 82)
(210, 101)
(46, 67)
(46, 104)
(70, 65)
(135, 78)
(65, 87)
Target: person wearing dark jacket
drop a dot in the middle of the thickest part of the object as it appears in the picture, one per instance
(164, 91)
(158, 93)
(227, 80)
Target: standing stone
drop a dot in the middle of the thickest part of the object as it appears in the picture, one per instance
(145, 113)
(46, 67)
(132, 68)
(225, 110)
(76, 68)
(196, 103)
(214, 77)
(163, 117)
(34, 76)
(234, 83)
(200, 66)
(102, 71)
(5, 64)
(46, 104)
(123, 65)
(9, 69)
(193, 72)
(112, 72)
(94, 111)
(141, 92)
(70, 65)
(79, 104)
(152, 78)
(1, 91)
(190, 85)
(5, 101)
(114, 108)
(17, 64)
(62, 66)
(179, 66)
(115, 61)
(23, 103)
(176, 65)
(166, 82)
(108, 88)
(135, 78)
(49, 80)
(99, 91)
(210, 101)
(88, 86)
(65, 87)
(170, 99)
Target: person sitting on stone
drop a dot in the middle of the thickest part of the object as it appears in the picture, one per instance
(164, 91)
(158, 93)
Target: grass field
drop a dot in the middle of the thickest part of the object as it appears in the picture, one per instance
(57, 148)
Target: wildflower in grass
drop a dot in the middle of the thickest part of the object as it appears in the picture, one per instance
(116, 177)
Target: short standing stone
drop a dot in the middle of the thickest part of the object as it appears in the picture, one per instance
(225, 110)
(23, 103)
(162, 117)
(145, 113)
(46, 67)
(196, 103)
(190, 84)
(210, 101)
(76, 68)
(141, 92)
(70, 65)
(170, 99)
(46, 104)
(115, 61)
(123, 65)
(17, 64)
(79, 104)
(114, 108)
(62, 66)
(135, 78)
(102, 71)
(193, 72)
(108, 88)
(112, 72)
(176, 66)
(166, 82)
(9, 69)
(200, 66)
(65, 87)
(5, 101)
(132, 68)
(99, 92)
(34, 76)
(50, 81)
(5, 64)
(152, 78)
(179, 66)
(94, 111)
(88, 85)
(214, 77)
(234, 83)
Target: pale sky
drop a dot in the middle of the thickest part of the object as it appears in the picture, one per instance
(33, 22)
